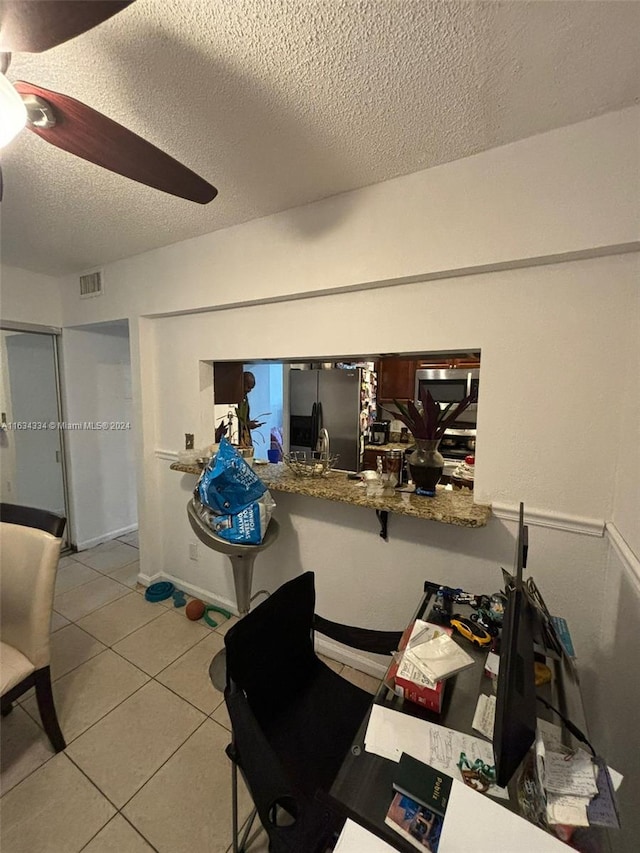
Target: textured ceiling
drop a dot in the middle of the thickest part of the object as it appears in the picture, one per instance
(283, 102)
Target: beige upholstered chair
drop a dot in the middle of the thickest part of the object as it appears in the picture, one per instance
(28, 565)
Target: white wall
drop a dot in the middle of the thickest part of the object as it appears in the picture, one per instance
(612, 681)
(569, 190)
(548, 338)
(626, 514)
(97, 388)
(29, 297)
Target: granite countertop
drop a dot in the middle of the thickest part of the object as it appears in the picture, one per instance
(448, 506)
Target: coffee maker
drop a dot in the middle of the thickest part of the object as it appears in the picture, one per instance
(379, 432)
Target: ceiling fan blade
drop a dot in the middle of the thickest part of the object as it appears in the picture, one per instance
(83, 131)
(37, 25)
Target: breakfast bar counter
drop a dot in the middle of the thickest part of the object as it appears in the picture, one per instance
(448, 506)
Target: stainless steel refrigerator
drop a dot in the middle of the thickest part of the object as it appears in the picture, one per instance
(342, 401)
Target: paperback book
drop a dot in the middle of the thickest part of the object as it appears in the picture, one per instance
(415, 823)
(424, 784)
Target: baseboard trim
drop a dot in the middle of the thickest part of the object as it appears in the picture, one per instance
(147, 580)
(106, 537)
(630, 562)
(553, 520)
(335, 651)
(190, 589)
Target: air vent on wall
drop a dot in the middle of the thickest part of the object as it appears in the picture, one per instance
(91, 284)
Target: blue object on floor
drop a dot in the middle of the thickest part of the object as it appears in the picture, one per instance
(159, 591)
(178, 598)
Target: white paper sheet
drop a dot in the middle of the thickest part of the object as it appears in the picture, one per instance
(355, 839)
(476, 824)
(574, 775)
(390, 733)
(550, 734)
(571, 811)
(439, 657)
(492, 663)
(485, 715)
(616, 778)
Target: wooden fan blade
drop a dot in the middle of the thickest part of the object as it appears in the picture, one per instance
(37, 25)
(83, 131)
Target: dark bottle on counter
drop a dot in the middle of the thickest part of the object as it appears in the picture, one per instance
(404, 436)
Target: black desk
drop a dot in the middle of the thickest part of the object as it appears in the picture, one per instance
(363, 789)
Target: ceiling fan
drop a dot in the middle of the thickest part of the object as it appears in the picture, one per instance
(34, 26)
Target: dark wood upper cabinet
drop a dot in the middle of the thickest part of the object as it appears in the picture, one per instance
(396, 378)
(228, 383)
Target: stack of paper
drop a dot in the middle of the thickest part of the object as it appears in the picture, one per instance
(568, 778)
(422, 632)
(390, 733)
(438, 658)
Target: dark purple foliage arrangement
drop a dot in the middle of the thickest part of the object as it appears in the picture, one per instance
(430, 423)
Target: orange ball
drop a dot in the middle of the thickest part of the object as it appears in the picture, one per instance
(195, 609)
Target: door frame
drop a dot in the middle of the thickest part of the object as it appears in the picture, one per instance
(55, 332)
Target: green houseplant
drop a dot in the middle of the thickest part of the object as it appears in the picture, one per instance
(428, 425)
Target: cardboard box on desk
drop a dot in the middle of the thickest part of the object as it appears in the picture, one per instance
(407, 681)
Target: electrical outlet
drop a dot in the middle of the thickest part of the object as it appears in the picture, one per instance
(193, 551)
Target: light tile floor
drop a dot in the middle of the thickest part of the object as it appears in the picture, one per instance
(144, 767)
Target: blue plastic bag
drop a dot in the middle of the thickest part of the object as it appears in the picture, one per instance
(228, 484)
(248, 526)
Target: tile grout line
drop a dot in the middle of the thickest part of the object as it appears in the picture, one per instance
(149, 678)
(135, 828)
(100, 571)
(106, 645)
(124, 586)
(159, 768)
(95, 785)
(95, 722)
(120, 639)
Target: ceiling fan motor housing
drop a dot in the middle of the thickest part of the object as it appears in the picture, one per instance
(40, 113)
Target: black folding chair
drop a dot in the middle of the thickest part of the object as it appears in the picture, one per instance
(293, 718)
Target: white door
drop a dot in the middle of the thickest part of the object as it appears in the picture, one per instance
(30, 449)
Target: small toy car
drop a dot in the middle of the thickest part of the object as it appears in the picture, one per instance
(448, 593)
(471, 631)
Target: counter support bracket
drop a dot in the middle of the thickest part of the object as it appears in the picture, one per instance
(383, 518)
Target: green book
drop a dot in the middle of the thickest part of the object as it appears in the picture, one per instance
(424, 784)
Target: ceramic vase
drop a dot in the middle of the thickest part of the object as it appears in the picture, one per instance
(426, 464)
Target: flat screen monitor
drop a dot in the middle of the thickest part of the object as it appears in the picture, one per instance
(515, 725)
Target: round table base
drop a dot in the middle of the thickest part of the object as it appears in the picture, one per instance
(218, 670)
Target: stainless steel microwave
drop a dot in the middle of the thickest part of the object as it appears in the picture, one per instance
(450, 385)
